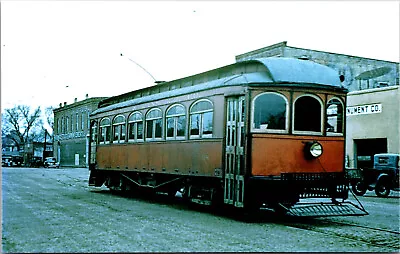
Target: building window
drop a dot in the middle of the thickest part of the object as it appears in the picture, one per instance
(66, 124)
(334, 116)
(58, 126)
(82, 121)
(77, 122)
(135, 127)
(270, 112)
(61, 125)
(154, 124)
(72, 123)
(105, 129)
(201, 119)
(176, 122)
(307, 115)
(119, 129)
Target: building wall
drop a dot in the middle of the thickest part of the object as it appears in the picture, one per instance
(71, 127)
(363, 124)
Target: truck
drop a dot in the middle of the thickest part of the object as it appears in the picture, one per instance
(383, 177)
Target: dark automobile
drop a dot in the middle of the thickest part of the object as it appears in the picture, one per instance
(51, 162)
(382, 178)
(36, 162)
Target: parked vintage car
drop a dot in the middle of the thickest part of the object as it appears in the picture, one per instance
(382, 178)
(51, 162)
(12, 161)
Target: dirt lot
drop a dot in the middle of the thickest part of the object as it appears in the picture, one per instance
(54, 210)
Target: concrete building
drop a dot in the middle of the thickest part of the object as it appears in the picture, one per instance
(71, 129)
(373, 109)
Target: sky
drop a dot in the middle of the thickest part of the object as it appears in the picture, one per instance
(55, 51)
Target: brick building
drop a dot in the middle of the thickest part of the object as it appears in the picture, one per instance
(71, 128)
(373, 107)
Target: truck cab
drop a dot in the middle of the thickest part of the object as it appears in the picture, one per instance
(382, 178)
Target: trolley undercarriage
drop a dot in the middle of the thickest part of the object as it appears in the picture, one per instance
(290, 194)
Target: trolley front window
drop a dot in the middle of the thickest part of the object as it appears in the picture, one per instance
(335, 114)
(201, 119)
(270, 113)
(105, 129)
(308, 115)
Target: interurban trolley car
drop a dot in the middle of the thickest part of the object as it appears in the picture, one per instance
(263, 133)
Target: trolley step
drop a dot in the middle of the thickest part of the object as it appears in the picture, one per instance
(325, 210)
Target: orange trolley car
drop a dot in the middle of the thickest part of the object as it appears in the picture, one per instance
(261, 133)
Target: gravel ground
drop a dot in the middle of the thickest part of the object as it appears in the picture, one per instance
(54, 210)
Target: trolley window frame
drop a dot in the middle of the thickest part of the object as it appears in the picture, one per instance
(135, 123)
(343, 117)
(154, 121)
(120, 127)
(175, 118)
(322, 112)
(201, 134)
(287, 114)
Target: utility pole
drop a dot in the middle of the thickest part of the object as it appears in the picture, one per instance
(45, 139)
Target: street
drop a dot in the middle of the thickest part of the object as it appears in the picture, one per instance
(54, 210)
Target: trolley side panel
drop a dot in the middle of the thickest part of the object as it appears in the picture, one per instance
(194, 158)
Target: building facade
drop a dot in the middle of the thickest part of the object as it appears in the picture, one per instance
(373, 108)
(71, 129)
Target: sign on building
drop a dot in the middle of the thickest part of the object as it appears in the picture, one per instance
(364, 109)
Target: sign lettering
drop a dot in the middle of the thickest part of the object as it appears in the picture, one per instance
(364, 109)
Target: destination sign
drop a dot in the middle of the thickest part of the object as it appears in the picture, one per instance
(364, 109)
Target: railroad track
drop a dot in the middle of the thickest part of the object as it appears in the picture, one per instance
(373, 236)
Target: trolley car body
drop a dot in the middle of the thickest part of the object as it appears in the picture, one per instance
(260, 133)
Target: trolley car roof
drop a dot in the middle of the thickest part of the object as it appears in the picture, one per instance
(275, 71)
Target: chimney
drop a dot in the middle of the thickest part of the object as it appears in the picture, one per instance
(65, 103)
(87, 96)
(76, 99)
(60, 104)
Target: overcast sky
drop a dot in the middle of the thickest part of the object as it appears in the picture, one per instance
(55, 51)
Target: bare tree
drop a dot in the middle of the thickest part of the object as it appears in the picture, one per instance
(19, 122)
(49, 117)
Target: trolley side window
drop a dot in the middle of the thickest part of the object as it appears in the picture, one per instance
(201, 119)
(335, 114)
(105, 131)
(176, 122)
(270, 113)
(93, 136)
(119, 129)
(308, 115)
(135, 126)
(154, 124)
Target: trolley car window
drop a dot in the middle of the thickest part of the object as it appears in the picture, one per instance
(105, 128)
(201, 119)
(154, 124)
(119, 129)
(334, 113)
(307, 114)
(270, 112)
(135, 125)
(176, 122)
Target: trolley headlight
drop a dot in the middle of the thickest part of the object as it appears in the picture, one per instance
(313, 150)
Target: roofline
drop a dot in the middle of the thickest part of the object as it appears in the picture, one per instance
(284, 44)
(78, 103)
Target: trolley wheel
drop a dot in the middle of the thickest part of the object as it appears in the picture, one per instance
(382, 189)
(359, 188)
